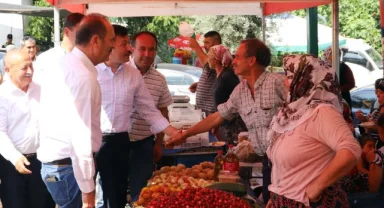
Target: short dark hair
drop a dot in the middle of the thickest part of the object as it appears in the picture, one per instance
(72, 20)
(214, 35)
(90, 25)
(379, 84)
(120, 30)
(255, 47)
(134, 38)
(9, 36)
(365, 138)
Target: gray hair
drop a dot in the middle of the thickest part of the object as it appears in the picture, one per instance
(27, 38)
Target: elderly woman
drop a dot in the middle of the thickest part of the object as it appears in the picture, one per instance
(220, 59)
(311, 145)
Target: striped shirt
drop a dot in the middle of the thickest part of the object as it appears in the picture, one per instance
(158, 88)
(204, 91)
(257, 112)
(121, 93)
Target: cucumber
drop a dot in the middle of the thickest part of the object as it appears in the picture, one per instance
(236, 189)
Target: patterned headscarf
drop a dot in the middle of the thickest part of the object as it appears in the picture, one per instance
(327, 56)
(222, 54)
(313, 84)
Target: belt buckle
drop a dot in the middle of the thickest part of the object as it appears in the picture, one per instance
(29, 155)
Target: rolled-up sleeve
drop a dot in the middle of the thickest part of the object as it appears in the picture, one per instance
(333, 131)
(147, 110)
(230, 109)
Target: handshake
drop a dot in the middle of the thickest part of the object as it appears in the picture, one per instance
(177, 137)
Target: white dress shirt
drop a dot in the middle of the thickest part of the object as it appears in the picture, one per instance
(19, 113)
(121, 92)
(70, 119)
(44, 60)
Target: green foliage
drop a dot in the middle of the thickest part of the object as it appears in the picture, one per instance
(358, 19)
(41, 28)
(165, 28)
(231, 28)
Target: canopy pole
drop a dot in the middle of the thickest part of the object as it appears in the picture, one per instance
(335, 37)
(56, 20)
(263, 25)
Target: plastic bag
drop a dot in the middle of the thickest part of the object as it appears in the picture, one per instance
(244, 150)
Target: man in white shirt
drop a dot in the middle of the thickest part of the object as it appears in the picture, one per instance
(145, 149)
(123, 89)
(70, 119)
(21, 182)
(71, 25)
(28, 45)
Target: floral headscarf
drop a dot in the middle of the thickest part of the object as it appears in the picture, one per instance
(222, 54)
(313, 84)
(327, 56)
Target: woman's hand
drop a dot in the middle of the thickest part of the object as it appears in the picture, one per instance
(313, 192)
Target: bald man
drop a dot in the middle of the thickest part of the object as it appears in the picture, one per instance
(22, 185)
(70, 123)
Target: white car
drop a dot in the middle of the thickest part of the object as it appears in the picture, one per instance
(179, 82)
(365, 62)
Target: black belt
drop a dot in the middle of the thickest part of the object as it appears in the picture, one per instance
(122, 136)
(65, 161)
(30, 155)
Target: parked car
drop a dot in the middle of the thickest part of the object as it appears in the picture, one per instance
(196, 71)
(179, 81)
(362, 99)
(365, 62)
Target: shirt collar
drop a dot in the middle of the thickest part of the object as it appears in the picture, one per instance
(132, 63)
(104, 67)
(14, 89)
(78, 53)
(261, 79)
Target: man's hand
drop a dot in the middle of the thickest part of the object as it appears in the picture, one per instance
(370, 156)
(157, 152)
(360, 116)
(193, 87)
(177, 138)
(193, 43)
(88, 199)
(313, 192)
(20, 165)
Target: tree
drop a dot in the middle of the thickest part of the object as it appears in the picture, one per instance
(41, 28)
(165, 28)
(231, 28)
(359, 19)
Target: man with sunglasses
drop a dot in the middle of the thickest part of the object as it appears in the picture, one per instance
(256, 99)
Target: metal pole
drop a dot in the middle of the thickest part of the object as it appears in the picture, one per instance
(56, 20)
(335, 37)
(263, 25)
(312, 34)
(382, 29)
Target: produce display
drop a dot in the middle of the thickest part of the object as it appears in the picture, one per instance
(198, 197)
(174, 179)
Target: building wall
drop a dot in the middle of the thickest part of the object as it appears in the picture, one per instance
(13, 23)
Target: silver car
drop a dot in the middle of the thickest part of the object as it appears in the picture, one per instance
(179, 80)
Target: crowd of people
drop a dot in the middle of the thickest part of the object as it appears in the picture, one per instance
(92, 114)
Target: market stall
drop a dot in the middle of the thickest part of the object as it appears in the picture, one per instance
(181, 179)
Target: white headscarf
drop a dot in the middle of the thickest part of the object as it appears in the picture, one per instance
(313, 84)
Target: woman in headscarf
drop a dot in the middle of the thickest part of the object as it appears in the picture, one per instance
(347, 80)
(220, 59)
(311, 145)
